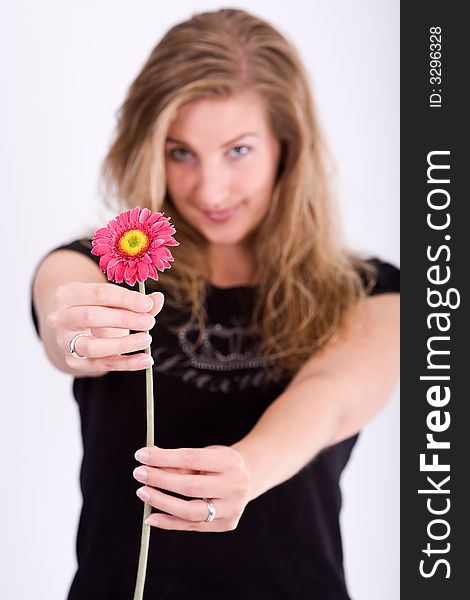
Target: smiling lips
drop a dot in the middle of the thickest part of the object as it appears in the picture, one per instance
(221, 215)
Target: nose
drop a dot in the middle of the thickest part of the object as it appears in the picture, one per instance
(212, 187)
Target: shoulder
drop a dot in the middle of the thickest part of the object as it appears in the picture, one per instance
(79, 246)
(71, 259)
(379, 276)
(71, 251)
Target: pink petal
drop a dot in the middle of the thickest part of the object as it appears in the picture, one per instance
(144, 215)
(104, 232)
(113, 225)
(157, 258)
(153, 274)
(99, 250)
(131, 280)
(104, 260)
(156, 254)
(166, 253)
(119, 274)
(113, 262)
(130, 272)
(110, 272)
(165, 231)
(123, 219)
(154, 217)
(134, 216)
(159, 264)
(99, 240)
(156, 228)
(142, 271)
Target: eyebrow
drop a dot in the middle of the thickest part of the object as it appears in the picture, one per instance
(239, 137)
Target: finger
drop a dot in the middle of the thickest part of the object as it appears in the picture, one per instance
(191, 486)
(215, 460)
(158, 300)
(103, 294)
(82, 317)
(135, 362)
(94, 347)
(109, 332)
(189, 510)
(170, 522)
(180, 471)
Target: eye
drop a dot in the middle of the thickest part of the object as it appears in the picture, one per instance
(180, 154)
(239, 151)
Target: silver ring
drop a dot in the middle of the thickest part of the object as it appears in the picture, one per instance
(210, 510)
(72, 344)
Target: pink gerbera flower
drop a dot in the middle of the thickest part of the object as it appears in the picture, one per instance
(132, 246)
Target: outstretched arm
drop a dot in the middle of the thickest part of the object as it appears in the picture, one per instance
(332, 396)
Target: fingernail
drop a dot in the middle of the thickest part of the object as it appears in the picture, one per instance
(151, 521)
(141, 474)
(143, 494)
(162, 296)
(142, 455)
(146, 362)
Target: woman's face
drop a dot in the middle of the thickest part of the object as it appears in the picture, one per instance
(221, 164)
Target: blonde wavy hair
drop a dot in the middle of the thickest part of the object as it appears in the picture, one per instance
(307, 279)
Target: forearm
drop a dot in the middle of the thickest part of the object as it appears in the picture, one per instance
(333, 395)
(300, 423)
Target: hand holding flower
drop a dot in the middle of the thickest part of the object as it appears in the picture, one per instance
(218, 473)
(106, 313)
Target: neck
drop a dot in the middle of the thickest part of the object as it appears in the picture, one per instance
(231, 266)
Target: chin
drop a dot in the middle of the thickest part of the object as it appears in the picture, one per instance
(224, 238)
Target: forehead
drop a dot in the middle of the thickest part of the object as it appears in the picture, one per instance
(220, 117)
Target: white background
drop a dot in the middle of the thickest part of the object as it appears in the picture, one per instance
(64, 70)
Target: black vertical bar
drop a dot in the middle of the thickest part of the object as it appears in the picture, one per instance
(435, 559)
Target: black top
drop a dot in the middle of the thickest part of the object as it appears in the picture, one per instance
(287, 544)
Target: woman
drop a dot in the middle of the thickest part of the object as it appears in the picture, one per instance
(275, 346)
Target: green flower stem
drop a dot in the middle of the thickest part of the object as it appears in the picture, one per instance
(145, 539)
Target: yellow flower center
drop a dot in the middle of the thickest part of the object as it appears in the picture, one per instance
(133, 242)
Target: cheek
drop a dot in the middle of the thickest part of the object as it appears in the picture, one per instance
(259, 179)
(177, 181)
